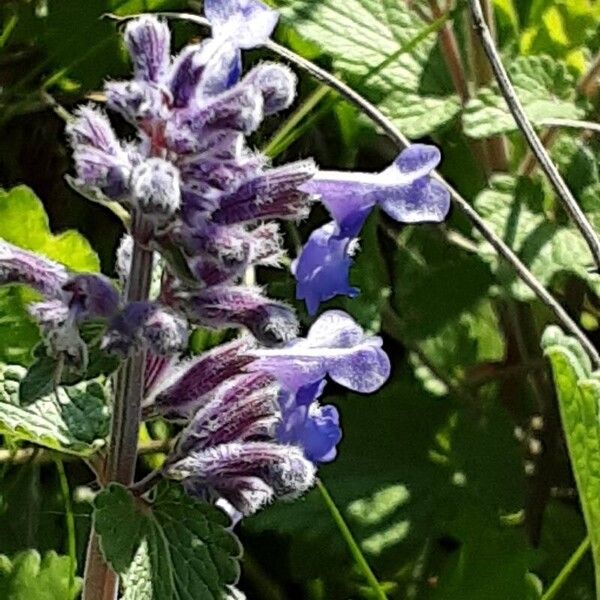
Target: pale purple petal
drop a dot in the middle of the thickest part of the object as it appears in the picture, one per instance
(425, 200)
(364, 370)
(248, 23)
(418, 160)
(347, 196)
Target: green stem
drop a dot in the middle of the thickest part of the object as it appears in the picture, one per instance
(69, 519)
(271, 149)
(568, 568)
(354, 548)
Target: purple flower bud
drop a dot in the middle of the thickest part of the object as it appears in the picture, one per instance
(277, 84)
(148, 41)
(155, 189)
(322, 270)
(136, 101)
(203, 70)
(270, 322)
(22, 267)
(306, 424)
(91, 127)
(145, 324)
(335, 346)
(165, 333)
(282, 468)
(239, 109)
(272, 194)
(190, 387)
(91, 296)
(247, 23)
(244, 409)
(100, 160)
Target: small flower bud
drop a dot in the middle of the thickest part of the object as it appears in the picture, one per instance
(277, 84)
(165, 333)
(155, 189)
(148, 41)
(282, 468)
(270, 322)
(145, 324)
(91, 296)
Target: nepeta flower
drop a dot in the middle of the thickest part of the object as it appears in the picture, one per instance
(335, 346)
(308, 425)
(405, 191)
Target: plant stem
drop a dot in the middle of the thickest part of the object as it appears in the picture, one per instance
(516, 108)
(354, 548)
(495, 146)
(100, 583)
(567, 569)
(69, 520)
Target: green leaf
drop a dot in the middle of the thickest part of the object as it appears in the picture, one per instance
(414, 89)
(562, 29)
(23, 222)
(545, 87)
(18, 332)
(73, 419)
(28, 576)
(182, 545)
(551, 250)
(578, 392)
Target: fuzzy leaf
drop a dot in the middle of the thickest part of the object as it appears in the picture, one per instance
(23, 222)
(545, 87)
(28, 576)
(360, 35)
(73, 420)
(182, 545)
(514, 209)
(578, 391)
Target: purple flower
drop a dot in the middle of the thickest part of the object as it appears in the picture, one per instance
(243, 409)
(405, 191)
(91, 296)
(307, 424)
(247, 23)
(247, 474)
(322, 270)
(335, 346)
(100, 159)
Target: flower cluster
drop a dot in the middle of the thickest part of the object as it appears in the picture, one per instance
(203, 201)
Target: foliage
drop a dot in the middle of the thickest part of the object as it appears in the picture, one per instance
(175, 548)
(473, 473)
